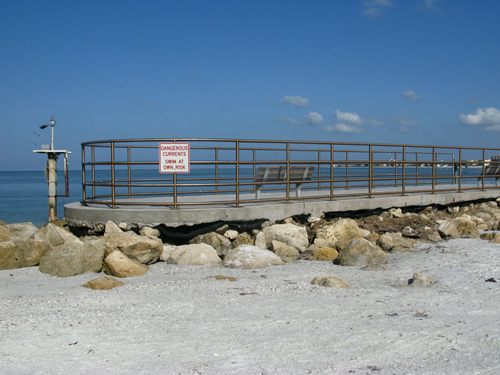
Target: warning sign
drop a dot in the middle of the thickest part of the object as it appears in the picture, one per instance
(174, 157)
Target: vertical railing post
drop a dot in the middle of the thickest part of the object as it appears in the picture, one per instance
(396, 168)
(113, 174)
(403, 171)
(287, 172)
(237, 149)
(483, 179)
(370, 171)
(460, 170)
(216, 170)
(92, 158)
(433, 169)
(332, 161)
(129, 170)
(347, 170)
(84, 195)
(319, 170)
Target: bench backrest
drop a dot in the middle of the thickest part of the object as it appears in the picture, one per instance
(492, 169)
(278, 173)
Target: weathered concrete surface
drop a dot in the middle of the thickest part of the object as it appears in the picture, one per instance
(79, 215)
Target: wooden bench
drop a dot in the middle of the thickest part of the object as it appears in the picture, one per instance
(278, 174)
(491, 170)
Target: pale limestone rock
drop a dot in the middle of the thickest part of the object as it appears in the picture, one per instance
(330, 282)
(73, 258)
(395, 242)
(244, 239)
(167, 251)
(320, 242)
(111, 228)
(260, 241)
(361, 253)
(103, 283)
(325, 254)
(465, 225)
(23, 230)
(5, 233)
(56, 236)
(32, 250)
(149, 232)
(11, 256)
(447, 230)
(421, 280)
(247, 256)
(215, 240)
(231, 234)
(285, 252)
(195, 254)
(396, 213)
(290, 234)
(340, 233)
(145, 250)
(119, 265)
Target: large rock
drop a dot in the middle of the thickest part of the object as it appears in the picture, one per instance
(23, 230)
(32, 250)
(341, 233)
(448, 230)
(395, 242)
(465, 225)
(290, 234)
(73, 258)
(111, 228)
(5, 233)
(362, 253)
(325, 254)
(330, 282)
(149, 232)
(285, 252)
(215, 240)
(247, 256)
(244, 239)
(56, 236)
(119, 265)
(195, 254)
(10, 256)
(145, 250)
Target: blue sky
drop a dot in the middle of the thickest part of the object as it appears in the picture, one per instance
(386, 71)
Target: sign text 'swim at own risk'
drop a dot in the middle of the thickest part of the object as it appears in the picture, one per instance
(174, 157)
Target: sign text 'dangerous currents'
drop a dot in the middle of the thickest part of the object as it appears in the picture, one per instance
(174, 157)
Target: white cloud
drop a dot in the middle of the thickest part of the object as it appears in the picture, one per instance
(430, 5)
(350, 117)
(374, 8)
(314, 118)
(489, 117)
(296, 100)
(341, 128)
(287, 120)
(411, 96)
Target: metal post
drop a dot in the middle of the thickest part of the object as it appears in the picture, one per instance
(52, 181)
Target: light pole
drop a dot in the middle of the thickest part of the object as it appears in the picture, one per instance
(51, 169)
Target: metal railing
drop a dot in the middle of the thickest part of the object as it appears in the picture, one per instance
(222, 171)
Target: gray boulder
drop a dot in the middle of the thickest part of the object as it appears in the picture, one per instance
(119, 265)
(23, 230)
(5, 233)
(195, 254)
(362, 252)
(448, 230)
(285, 252)
(21, 252)
(145, 250)
(56, 236)
(215, 240)
(11, 256)
(395, 242)
(73, 259)
(247, 256)
(290, 234)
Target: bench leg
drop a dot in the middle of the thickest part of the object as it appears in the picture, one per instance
(257, 193)
(297, 190)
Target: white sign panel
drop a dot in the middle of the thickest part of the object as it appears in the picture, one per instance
(174, 157)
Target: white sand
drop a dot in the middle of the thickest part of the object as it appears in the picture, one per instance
(174, 320)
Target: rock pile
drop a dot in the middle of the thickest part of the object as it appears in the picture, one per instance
(365, 241)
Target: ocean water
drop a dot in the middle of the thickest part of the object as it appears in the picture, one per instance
(24, 195)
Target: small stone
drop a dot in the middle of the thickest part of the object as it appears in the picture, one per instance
(103, 283)
(330, 282)
(325, 254)
(421, 280)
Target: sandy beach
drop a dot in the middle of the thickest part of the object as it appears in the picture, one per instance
(180, 320)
